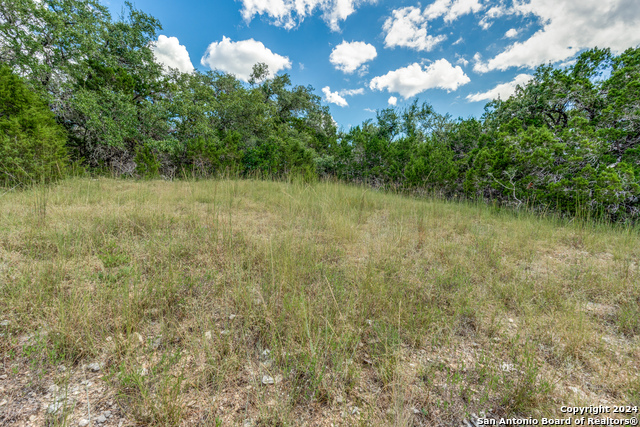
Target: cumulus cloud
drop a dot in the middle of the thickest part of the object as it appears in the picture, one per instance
(478, 65)
(451, 9)
(239, 57)
(171, 54)
(511, 33)
(502, 91)
(338, 97)
(334, 97)
(462, 60)
(567, 28)
(392, 100)
(407, 27)
(413, 79)
(349, 57)
(290, 13)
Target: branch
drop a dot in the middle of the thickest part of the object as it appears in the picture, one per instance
(513, 186)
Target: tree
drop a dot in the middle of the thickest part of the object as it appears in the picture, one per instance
(32, 145)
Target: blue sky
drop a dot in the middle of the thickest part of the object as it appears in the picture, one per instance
(363, 55)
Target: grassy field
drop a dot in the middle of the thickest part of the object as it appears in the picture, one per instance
(257, 303)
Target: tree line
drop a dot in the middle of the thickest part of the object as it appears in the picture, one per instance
(80, 90)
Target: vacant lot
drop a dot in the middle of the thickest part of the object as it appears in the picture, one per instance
(258, 303)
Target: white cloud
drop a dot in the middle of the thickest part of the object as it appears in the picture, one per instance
(393, 100)
(512, 33)
(492, 14)
(436, 9)
(569, 26)
(169, 52)
(348, 57)
(411, 80)
(407, 27)
(478, 65)
(290, 13)
(334, 97)
(462, 60)
(338, 97)
(502, 91)
(239, 57)
(451, 9)
(352, 92)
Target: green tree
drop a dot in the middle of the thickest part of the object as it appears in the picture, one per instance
(32, 144)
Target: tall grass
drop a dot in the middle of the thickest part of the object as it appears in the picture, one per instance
(360, 306)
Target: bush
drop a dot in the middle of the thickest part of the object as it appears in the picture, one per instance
(32, 144)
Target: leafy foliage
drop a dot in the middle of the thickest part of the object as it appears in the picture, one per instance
(567, 142)
(32, 144)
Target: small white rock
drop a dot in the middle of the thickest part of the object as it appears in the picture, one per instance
(94, 367)
(208, 335)
(54, 408)
(232, 316)
(507, 367)
(107, 414)
(138, 338)
(83, 422)
(101, 419)
(267, 380)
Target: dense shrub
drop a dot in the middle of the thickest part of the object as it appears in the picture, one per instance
(32, 144)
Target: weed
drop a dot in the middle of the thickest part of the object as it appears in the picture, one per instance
(413, 311)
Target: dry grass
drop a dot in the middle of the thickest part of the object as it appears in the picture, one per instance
(364, 308)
